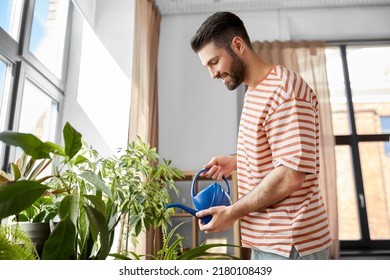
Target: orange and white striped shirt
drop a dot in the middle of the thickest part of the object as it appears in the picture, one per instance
(280, 126)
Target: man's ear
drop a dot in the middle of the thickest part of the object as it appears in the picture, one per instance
(238, 44)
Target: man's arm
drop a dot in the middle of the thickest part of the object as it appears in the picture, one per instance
(276, 186)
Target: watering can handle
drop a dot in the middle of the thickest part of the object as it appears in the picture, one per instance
(200, 172)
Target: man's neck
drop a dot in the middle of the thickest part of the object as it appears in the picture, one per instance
(257, 69)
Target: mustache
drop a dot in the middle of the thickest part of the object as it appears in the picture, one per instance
(223, 75)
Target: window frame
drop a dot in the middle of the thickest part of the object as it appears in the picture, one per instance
(365, 245)
(26, 65)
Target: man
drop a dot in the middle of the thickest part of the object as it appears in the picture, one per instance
(280, 208)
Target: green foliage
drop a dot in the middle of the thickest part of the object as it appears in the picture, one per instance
(88, 193)
(42, 210)
(15, 244)
(17, 196)
(61, 244)
(30, 144)
(145, 182)
(72, 141)
(172, 249)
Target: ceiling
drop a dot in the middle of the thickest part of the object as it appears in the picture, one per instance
(172, 7)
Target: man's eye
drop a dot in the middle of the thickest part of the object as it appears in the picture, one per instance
(214, 62)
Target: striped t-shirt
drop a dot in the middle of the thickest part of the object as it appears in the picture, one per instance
(280, 126)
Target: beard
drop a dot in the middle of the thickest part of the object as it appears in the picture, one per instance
(237, 72)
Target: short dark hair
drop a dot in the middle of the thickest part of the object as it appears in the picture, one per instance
(220, 28)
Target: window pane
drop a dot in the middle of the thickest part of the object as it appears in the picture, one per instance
(369, 70)
(3, 68)
(47, 39)
(348, 216)
(385, 124)
(376, 179)
(338, 99)
(39, 113)
(10, 15)
(5, 87)
(5, 83)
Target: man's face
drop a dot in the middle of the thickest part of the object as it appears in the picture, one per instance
(224, 65)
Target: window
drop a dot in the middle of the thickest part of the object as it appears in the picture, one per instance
(5, 84)
(359, 84)
(10, 17)
(41, 118)
(48, 34)
(33, 46)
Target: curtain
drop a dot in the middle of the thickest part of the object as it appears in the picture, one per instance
(308, 59)
(143, 111)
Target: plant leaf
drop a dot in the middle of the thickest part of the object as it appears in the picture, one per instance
(97, 182)
(123, 257)
(3, 178)
(80, 159)
(61, 242)
(72, 140)
(51, 147)
(30, 144)
(37, 170)
(15, 171)
(16, 196)
(69, 208)
(98, 225)
(97, 202)
(201, 251)
(84, 234)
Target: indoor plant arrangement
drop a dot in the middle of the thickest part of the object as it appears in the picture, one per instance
(89, 194)
(172, 249)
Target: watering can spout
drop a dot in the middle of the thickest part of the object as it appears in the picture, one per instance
(184, 207)
(191, 211)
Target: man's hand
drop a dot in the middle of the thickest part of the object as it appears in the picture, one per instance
(222, 219)
(220, 166)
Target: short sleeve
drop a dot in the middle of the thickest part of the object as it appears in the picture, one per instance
(292, 132)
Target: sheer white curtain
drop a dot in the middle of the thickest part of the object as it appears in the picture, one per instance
(308, 59)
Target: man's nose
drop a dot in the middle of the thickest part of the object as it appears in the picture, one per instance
(214, 73)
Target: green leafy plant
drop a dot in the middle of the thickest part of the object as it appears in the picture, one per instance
(44, 209)
(23, 187)
(15, 244)
(89, 194)
(148, 180)
(172, 249)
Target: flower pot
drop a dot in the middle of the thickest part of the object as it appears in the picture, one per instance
(38, 233)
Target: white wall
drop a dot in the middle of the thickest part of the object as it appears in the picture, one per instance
(197, 115)
(97, 95)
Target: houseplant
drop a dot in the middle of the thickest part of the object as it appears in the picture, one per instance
(35, 219)
(15, 244)
(92, 193)
(172, 249)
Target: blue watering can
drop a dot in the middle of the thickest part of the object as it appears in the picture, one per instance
(213, 195)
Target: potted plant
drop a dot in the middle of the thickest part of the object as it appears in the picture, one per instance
(172, 249)
(35, 219)
(91, 193)
(26, 192)
(15, 244)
